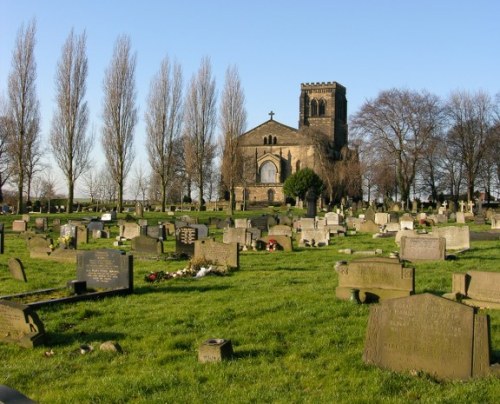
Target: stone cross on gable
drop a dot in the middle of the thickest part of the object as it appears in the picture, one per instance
(471, 205)
(271, 114)
(462, 205)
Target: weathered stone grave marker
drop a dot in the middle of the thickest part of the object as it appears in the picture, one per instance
(428, 333)
(19, 226)
(457, 238)
(237, 235)
(376, 279)
(147, 245)
(20, 324)
(16, 269)
(476, 288)
(222, 254)
(422, 248)
(215, 350)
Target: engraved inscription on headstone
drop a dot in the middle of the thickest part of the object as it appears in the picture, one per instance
(217, 253)
(147, 245)
(108, 269)
(427, 333)
(422, 248)
(185, 239)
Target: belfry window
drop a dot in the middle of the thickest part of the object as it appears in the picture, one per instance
(265, 140)
(314, 108)
(274, 140)
(322, 107)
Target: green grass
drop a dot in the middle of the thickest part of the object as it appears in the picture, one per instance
(293, 341)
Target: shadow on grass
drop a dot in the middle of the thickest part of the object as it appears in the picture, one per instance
(55, 339)
(141, 290)
(434, 292)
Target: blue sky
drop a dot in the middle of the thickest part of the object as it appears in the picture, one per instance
(365, 45)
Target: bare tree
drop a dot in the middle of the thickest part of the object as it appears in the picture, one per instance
(200, 120)
(471, 117)
(69, 143)
(233, 117)
(24, 117)
(163, 124)
(5, 164)
(398, 123)
(140, 183)
(120, 114)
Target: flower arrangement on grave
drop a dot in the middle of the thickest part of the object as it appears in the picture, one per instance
(65, 241)
(272, 245)
(197, 268)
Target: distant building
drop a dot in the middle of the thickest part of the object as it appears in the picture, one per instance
(272, 151)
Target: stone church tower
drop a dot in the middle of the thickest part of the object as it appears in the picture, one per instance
(323, 106)
(272, 151)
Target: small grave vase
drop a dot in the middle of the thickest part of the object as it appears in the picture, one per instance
(354, 298)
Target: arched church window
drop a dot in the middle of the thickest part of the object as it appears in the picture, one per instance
(270, 195)
(322, 107)
(274, 140)
(268, 173)
(265, 140)
(314, 108)
(270, 139)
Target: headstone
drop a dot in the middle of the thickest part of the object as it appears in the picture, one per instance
(25, 218)
(19, 225)
(255, 232)
(158, 232)
(333, 218)
(370, 214)
(202, 230)
(41, 224)
(16, 269)
(422, 248)
(39, 245)
(56, 225)
(130, 230)
(368, 226)
(307, 223)
(215, 350)
(284, 242)
(260, 222)
(139, 210)
(20, 324)
(67, 236)
(241, 223)
(184, 241)
(405, 223)
(428, 333)
(241, 236)
(82, 235)
(314, 238)
(477, 288)
(376, 279)
(460, 217)
(392, 227)
(146, 245)
(217, 253)
(12, 396)
(457, 238)
(95, 225)
(382, 218)
(393, 217)
(280, 230)
(495, 221)
(170, 228)
(106, 268)
(2, 238)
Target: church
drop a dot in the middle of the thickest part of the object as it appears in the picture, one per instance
(272, 151)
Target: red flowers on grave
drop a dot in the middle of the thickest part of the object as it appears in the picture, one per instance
(272, 245)
(154, 276)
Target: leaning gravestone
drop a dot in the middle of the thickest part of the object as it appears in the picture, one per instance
(16, 269)
(428, 333)
(476, 288)
(422, 248)
(184, 241)
(20, 324)
(376, 279)
(226, 255)
(106, 268)
(202, 230)
(368, 226)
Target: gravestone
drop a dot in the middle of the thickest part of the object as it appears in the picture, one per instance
(457, 238)
(233, 235)
(41, 224)
(188, 219)
(106, 268)
(422, 248)
(307, 223)
(39, 246)
(406, 223)
(130, 230)
(376, 279)
(370, 214)
(82, 235)
(67, 236)
(184, 241)
(460, 217)
(368, 226)
(20, 324)
(333, 218)
(25, 217)
(382, 218)
(241, 223)
(428, 333)
(146, 245)
(260, 222)
(2, 238)
(280, 230)
(218, 253)
(285, 220)
(95, 225)
(495, 221)
(314, 237)
(19, 225)
(215, 350)
(284, 242)
(16, 269)
(477, 288)
(170, 228)
(157, 232)
(202, 230)
(12, 396)
(56, 225)
(139, 209)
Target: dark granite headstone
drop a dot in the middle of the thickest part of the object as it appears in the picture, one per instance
(184, 242)
(95, 225)
(108, 269)
(20, 324)
(16, 269)
(428, 333)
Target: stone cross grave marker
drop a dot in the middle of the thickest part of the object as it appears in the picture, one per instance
(20, 324)
(428, 333)
(16, 269)
(105, 268)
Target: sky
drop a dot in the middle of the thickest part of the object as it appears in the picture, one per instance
(367, 46)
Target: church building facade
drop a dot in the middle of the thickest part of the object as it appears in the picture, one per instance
(272, 151)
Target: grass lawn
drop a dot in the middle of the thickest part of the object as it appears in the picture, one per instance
(293, 341)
